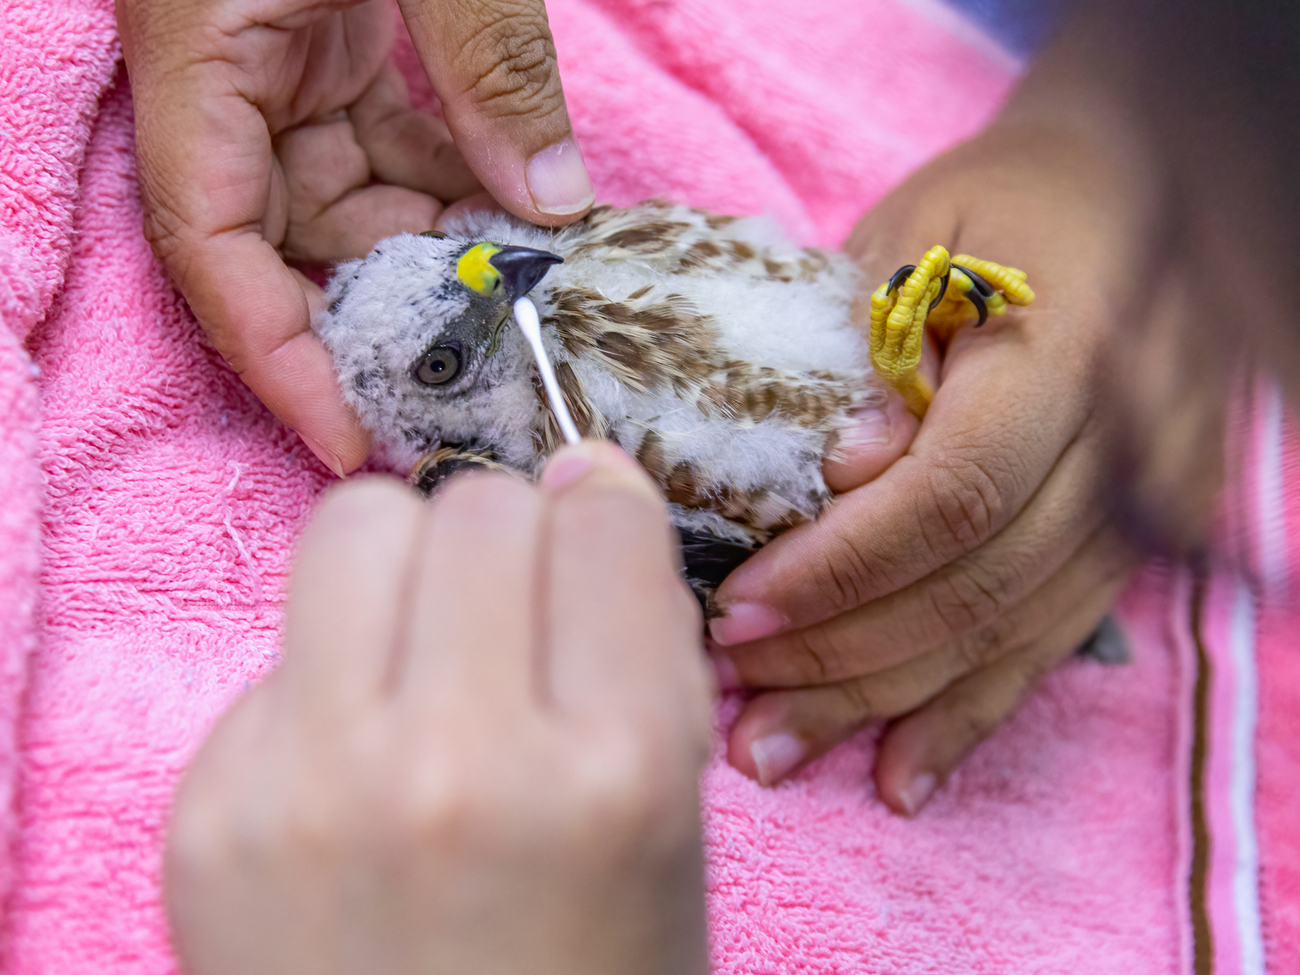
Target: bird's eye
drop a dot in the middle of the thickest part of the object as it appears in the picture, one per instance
(438, 234)
(437, 367)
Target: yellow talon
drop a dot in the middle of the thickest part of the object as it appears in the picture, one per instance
(944, 293)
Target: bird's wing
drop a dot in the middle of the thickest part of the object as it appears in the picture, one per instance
(676, 239)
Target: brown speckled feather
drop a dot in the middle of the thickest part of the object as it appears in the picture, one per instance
(661, 342)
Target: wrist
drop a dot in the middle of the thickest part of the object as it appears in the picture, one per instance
(1071, 104)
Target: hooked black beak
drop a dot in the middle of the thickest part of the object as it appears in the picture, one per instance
(522, 267)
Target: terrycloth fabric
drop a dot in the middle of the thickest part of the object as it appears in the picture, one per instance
(1278, 732)
(170, 501)
(1055, 849)
(54, 63)
(20, 543)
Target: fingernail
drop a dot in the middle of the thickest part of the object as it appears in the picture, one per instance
(571, 464)
(724, 672)
(325, 457)
(745, 622)
(868, 428)
(558, 180)
(918, 793)
(774, 757)
(565, 468)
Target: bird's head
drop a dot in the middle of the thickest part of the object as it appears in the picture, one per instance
(418, 334)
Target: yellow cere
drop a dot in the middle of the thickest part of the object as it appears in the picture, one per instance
(475, 272)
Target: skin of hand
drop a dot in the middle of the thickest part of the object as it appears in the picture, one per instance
(480, 753)
(934, 595)
(269, 130)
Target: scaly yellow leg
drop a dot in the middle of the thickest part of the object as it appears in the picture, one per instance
(945, 294)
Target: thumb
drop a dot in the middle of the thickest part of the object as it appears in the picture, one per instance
(493, 65)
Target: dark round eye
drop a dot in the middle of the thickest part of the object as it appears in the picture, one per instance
(437, 366)
(435, 233)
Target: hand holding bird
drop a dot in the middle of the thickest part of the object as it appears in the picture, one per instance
(282, 130)
(934, 596)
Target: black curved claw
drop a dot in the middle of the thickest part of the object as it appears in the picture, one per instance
(943, 289)
(434, 468)
(981, 283)
(977, 299)
(900, 276)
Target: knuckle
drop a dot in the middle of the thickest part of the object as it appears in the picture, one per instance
(164, 231)
(861, 701)
(973, 722)
(630, 791)
(613, 802)
(441, 811)
(967, 503)
(963, 601)
(307, 825)
(404, 797)
(253, 831)
(163, 196)
(197, 845)
(976, 716)
(616, 780)
(513, 65)
(820, 657)
(980, 647)
(1040, 660)
(970, 597)
(850, 576)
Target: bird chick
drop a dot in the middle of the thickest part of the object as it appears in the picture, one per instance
(710, 348)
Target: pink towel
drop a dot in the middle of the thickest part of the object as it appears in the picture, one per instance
(54, 62)
(1278, 654)
(150, 592)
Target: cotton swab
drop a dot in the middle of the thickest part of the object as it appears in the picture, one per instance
(528, 322)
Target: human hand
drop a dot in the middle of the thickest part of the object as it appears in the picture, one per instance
(936, 594)
(480, 754)
(282, 129)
